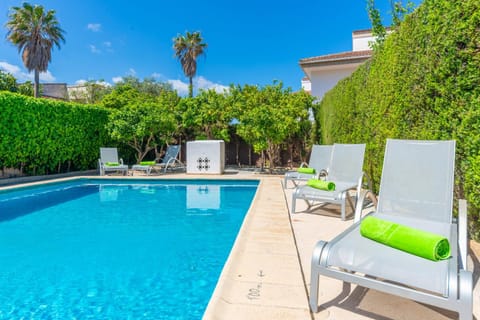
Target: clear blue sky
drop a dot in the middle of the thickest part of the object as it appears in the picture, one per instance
(249, 42)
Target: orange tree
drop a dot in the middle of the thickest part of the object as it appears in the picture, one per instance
(143, 115)
(268, 116)
(207, 115)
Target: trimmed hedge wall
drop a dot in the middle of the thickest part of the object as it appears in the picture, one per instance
(424, 83)
(40, 136)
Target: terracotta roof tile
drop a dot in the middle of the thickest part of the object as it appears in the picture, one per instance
(351, 55)
(363, 31)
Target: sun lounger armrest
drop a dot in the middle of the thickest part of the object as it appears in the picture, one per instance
(303, 165)
(360, 203)
(317, 252)
(462, 232)
(170, 162)
(367, 181)
(121, 161)
(323, 173)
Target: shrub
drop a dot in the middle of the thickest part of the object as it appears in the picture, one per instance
(423, 83)
(41, 136)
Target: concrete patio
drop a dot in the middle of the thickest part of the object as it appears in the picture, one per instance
(268, 273)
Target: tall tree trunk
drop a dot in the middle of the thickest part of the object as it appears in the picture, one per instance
(36, 87)
(190, 87)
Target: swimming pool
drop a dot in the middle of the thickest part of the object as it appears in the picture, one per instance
(115, 249)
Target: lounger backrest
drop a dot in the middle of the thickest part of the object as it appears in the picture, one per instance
(320, 157)
(171, 153)
(346, 162)
(108, 155)
(417, 179)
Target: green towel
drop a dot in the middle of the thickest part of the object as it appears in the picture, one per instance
(321, 184)
(112, 164)
(306, 170)
(420, 243)
(147, 163)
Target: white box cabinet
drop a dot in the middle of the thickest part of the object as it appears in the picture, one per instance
(206, 157)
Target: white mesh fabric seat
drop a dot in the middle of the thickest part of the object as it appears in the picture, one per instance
(355, 250)
(416, 190)
(110, 155)
(170, 159)
(345, 170)
(142, 167)
(319, 160)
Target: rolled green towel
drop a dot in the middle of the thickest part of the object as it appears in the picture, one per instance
(418, 242)
(306, 170)
(321, 184)
(112, 164)
(147, 163)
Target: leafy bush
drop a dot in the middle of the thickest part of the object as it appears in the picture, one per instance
(143, 116)
(422, 83)
(41, 136)
(269, 116)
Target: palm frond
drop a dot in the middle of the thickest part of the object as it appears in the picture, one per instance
(187, 48)
(34, 32)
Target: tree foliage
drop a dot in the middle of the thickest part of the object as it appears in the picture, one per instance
(268, 116)
(26, 88)
(379, 31)
(143, 115)
(9, 83)
(207, 116)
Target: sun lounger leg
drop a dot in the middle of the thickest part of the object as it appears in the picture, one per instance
(342, 196)
(315, 275)
(465, 295)
(294, 202)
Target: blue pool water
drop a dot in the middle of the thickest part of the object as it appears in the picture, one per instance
(104, 249)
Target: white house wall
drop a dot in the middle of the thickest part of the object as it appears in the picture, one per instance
(323, 81)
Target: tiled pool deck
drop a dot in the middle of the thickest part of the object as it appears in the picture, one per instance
(267, 275)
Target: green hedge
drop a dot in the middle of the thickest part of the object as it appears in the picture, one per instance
(40, 136)
(424, 83)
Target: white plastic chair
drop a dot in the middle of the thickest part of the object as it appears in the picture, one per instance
(319, 160)
(168, 160)
(416, 190)
(345, 170)
(110, 155)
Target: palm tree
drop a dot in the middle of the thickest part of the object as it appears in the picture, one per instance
(187, 48)
(34, 32)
